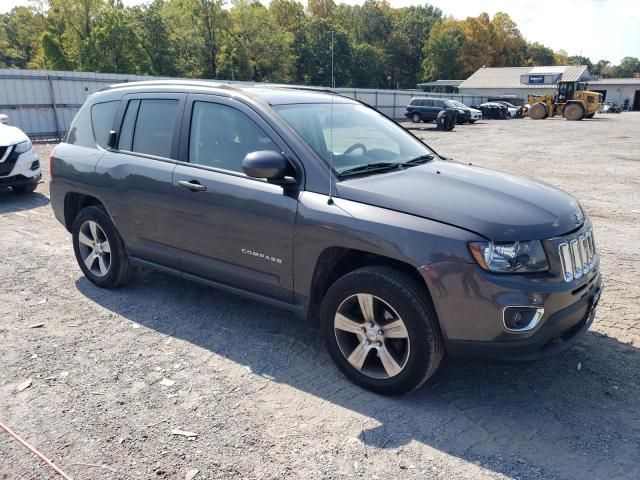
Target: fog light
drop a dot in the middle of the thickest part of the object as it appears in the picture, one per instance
(521, 319)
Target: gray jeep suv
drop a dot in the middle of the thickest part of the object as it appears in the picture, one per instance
(318, 204)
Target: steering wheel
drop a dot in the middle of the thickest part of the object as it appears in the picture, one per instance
(354, 147)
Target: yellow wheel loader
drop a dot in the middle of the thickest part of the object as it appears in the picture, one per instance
(572, 100)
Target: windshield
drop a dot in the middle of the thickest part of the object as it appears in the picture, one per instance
(349, 136)
(458, 104)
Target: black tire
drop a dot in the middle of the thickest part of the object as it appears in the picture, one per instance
(416, 118)
(471, 122)
(573, 112)
(538, 111)
(30, 188)
(412, 303)
(591, 115)
(119, 271)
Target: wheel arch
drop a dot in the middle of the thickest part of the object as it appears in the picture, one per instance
(74, 202)
(335, 262)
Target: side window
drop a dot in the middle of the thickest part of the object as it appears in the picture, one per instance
(438, 103)
(126, 132)
(80, 133)
(148, 126)
(102, 117)
(221, 136)
(427, 103)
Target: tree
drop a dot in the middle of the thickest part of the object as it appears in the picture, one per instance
(154, 37)
(368, 66)
(580, 60)
(287, 14)
(509, 47)
(53, 57)
(628, 66)
(321, 8)
(442, 51)
(538, 54)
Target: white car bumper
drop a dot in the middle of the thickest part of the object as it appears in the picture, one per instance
(25, 167)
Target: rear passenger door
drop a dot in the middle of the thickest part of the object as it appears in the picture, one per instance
(137, 173)
(231, 228)
(438, 106)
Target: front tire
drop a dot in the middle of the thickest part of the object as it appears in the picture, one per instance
(416, 118)
(573, 112)
(30, 188)
(99, 249)
(381, 330)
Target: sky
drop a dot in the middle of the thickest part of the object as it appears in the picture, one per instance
(598, 29)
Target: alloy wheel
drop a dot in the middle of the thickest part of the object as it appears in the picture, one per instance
(371, 336)
(95, 250)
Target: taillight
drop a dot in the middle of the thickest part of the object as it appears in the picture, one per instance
(51, 157)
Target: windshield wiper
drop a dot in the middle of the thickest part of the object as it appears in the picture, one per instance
(418, 160)
(369, 167)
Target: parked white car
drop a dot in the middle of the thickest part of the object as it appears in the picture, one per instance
(19, 163)
(475, 113)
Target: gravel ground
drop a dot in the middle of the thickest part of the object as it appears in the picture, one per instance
(114, 373)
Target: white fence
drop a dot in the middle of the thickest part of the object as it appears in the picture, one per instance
(42, 103)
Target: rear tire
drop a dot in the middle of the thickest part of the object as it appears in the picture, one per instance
(538, 111)
(573, 112)
(99, 249)
(25, 188)
(391, 362)
(416, 118)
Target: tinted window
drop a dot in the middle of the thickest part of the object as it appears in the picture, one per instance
(427, 103)
(155, 124)
(221, 136)
(438, 103)
(102, 117)
(126, 132)
(80, 132)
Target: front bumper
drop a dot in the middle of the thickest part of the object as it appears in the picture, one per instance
(559, 332)
(19, 180)
(470, 303)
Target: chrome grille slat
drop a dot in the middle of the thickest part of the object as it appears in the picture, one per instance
(577, 255)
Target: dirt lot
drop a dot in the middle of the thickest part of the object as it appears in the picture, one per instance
(257, 387)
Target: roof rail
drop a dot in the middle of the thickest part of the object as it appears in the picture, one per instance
(168, 82)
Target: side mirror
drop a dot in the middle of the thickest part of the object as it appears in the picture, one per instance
(112, 140)
(269, 165)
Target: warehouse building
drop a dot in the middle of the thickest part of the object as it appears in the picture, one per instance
(622, 91)
(521, 81)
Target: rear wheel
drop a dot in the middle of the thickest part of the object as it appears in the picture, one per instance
(99, 249)
(25, 188)
(573, 111)
(380, 329)
(416, 118)
(538, 111)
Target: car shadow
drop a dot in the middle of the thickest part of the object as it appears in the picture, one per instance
(573, 416)
(11, 202)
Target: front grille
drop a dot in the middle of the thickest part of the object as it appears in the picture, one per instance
(7, 164)
(577, 255)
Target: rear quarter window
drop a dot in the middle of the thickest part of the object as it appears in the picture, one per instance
(102, 117)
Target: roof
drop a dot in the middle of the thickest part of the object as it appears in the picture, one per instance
(274, 94)
(509, 77)
(441, 83)
(615, 81)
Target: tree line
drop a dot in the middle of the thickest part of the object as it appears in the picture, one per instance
(372, 45)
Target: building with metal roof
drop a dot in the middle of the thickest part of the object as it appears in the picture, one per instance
(441, 86)
(521, 81)
(619, 90)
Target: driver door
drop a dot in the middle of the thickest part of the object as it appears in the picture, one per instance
(231, 228)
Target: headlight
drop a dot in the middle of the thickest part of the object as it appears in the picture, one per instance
(510, 257)
(23, 147)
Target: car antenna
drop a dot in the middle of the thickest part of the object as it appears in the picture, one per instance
(330, 200)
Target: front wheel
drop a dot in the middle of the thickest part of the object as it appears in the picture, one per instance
(30, 188)
(416, 118)
(381, 330)
(99, 249)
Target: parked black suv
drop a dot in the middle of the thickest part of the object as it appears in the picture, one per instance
(319, 204)
(421, 109)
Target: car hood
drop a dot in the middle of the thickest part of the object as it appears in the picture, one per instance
(474, 110)
(11, 135)
(496, 205)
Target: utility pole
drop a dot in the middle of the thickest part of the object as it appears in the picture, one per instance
(333, 79)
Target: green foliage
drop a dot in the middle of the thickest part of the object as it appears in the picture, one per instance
(374, 44)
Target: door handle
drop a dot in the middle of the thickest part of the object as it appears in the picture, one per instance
(192, 185)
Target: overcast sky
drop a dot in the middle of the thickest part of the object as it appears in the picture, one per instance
(598, 29)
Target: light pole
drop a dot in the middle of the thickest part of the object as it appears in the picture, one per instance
(333, 79)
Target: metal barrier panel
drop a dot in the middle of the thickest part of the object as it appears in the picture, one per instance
(43, 103)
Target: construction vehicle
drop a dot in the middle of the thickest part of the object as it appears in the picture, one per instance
(572, 100)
